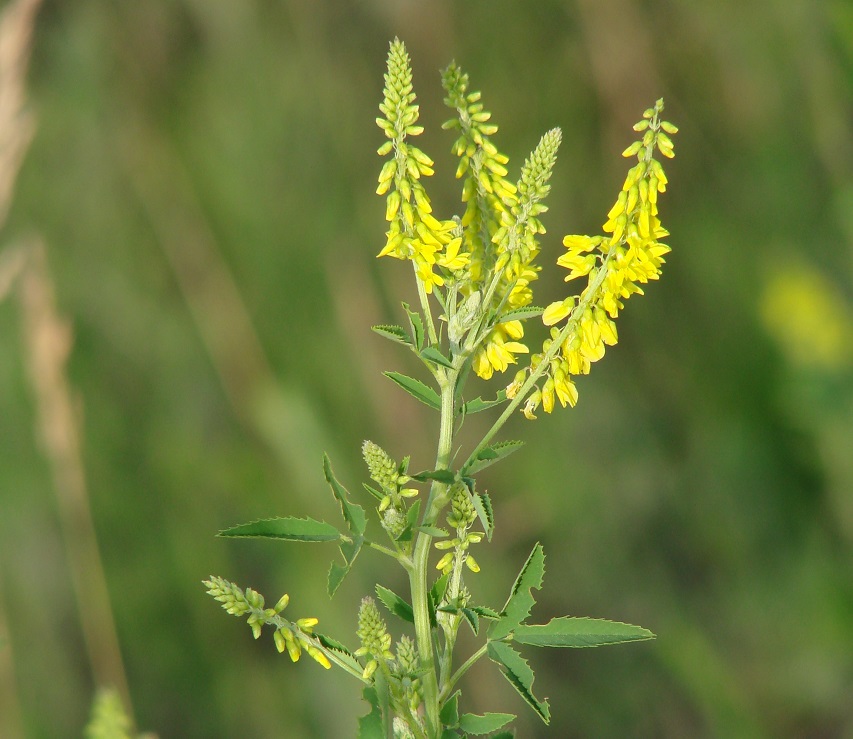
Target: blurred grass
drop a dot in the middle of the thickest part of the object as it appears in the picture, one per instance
(703, 486)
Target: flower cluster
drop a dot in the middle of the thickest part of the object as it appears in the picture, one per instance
(294, 636)
(460, 517)
(374, 636)
(616, 266)
(500, 220)
(391, 477)
(414, 233)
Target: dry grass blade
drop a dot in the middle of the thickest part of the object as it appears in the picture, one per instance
(48, 342)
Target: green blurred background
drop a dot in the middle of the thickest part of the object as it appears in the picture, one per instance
(203, 178)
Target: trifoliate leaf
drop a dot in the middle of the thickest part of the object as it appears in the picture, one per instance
(521, 598)
(519, 674)
(286, 529)
(568, 631)
(417, 389)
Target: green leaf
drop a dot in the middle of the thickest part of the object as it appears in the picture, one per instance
(395, 604)
(431, 354)
(353, 514)
(449, 713)
(473, 619)
(417, 389)
(370, 726)
(356, 520)
(478, 404)
(484, 612)
(521, 598)
(436, 594)
(339, 649)
(286, 528)
(394, 333)
(474, 724)
(519, 674)
(450, 734)
(411, 522)
(492, 454)
(373, 491)
(522, 314)
(433, 531)
(448, 477)
(417, 326)
(503, 735)
(569, 631)
(483, 506)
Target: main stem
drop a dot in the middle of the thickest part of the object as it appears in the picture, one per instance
(420, 559)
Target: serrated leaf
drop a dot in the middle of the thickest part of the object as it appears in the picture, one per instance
(339, 649)
(353, 514)
(483, 506)
(568, 631)
(485, 612)
(416, 389)
(286, 528)
(394, 333)
(448, 477)
(520, 676)
(337, 573)
(395, 604)
(449, 713)
(370, 726)
(433, 531)
(473, 724)
(431, 354)
(417, 326)
(356, 520)
(522, 314)
(478, 404)
(492, 454)
(521, 598)
(473, 619)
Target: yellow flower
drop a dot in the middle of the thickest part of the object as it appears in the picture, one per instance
(496, 353)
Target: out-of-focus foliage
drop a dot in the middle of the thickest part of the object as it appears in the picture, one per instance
(186, 148)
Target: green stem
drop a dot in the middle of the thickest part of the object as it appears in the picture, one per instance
(422, 294)
(448, 686)
(420, 561)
